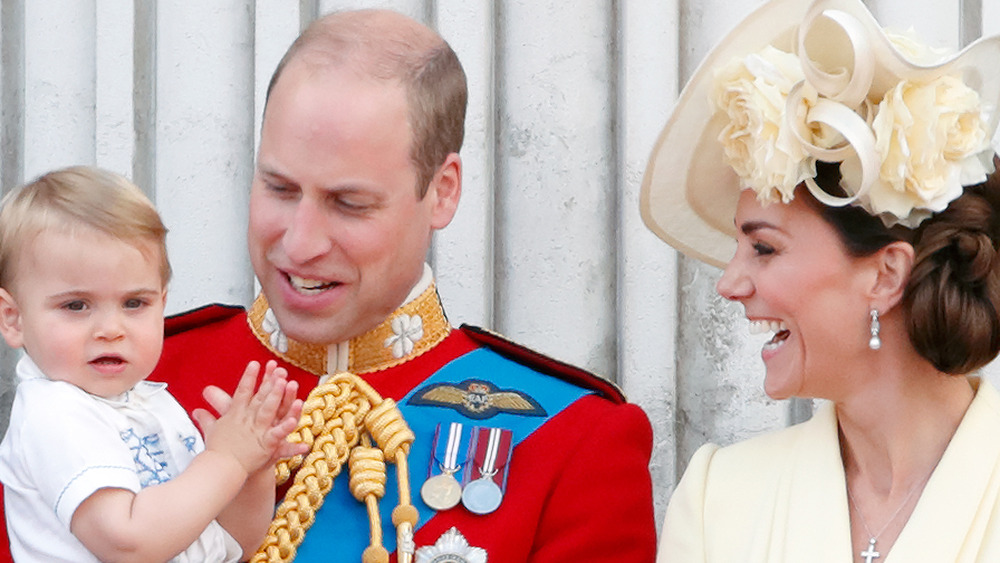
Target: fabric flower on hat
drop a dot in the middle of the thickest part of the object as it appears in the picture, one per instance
(758, 140)
(923, 141)
(929, 138)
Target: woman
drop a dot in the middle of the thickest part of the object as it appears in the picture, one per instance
(866, 228)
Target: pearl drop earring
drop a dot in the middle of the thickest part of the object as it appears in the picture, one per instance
(874, 342)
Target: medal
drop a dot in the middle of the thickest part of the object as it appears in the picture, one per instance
(443, 491)
(492, 448)
(482, 496)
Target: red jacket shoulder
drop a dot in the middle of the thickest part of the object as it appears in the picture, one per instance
(195, 318)
(544, 364)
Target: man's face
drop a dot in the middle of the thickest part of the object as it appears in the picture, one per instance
(337, 234)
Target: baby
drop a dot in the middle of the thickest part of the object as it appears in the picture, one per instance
(97, 463)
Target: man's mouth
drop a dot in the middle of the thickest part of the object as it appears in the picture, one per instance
(781, 332)
(307, 286)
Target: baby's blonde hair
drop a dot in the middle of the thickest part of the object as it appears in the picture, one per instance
(75, 197)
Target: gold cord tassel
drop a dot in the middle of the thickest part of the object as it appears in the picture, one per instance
(336, 417)
(368, 486)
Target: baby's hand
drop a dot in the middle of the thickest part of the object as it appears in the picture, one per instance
(252, 427)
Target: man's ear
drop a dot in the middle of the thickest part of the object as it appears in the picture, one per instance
(10, 320)
(894, 264)
(447, 190)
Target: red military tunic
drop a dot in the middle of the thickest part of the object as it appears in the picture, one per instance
(578, 486)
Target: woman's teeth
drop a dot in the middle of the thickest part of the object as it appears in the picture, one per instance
(777, 327)
(763, 327)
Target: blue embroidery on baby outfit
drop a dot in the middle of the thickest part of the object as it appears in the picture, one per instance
(149, 458)
(189, 442)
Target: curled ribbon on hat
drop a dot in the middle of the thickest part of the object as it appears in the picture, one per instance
(909, 144)
(849, 88)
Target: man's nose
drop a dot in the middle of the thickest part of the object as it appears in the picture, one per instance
(306, 237)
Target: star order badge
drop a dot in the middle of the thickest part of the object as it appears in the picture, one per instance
(451, 547)
(477, 399)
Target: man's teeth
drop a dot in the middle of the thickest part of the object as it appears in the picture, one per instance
(763, 327)
(307, 285)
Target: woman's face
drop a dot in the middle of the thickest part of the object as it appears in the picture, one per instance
(796, 280)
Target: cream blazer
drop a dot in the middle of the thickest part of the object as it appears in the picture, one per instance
(782, 497)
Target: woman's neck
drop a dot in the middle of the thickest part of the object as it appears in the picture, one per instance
(895, 431)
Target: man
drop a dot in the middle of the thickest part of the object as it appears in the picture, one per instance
(512, 456)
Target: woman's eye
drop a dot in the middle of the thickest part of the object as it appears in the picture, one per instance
(763, 249)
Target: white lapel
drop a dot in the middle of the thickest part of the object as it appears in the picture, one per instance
(961, 491)
(818, 526)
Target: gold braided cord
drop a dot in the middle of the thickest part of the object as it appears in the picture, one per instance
(337, 416)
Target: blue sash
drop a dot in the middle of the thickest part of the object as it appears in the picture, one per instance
(340, 532)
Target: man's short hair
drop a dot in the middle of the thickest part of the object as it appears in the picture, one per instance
(390, 46)
(73, 198)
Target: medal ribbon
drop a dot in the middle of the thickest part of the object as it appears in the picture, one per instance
(446, 453)
(493, 449)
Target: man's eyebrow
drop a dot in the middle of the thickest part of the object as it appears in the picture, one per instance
(272, 173)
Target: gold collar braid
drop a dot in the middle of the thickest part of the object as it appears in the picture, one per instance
(389, 344)
(337, 419)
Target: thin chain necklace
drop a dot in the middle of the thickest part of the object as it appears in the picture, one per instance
(870, 553)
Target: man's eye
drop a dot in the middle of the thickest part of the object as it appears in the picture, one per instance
(351, 205)
(281, 190)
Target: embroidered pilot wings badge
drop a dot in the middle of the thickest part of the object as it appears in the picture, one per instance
(477, 399)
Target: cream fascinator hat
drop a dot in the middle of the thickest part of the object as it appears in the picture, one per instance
(800, 81)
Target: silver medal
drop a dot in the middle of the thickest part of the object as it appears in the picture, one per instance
(441, 492)
(482, 496)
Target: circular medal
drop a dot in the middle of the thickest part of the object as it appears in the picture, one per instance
(482, 496)
(441, 492)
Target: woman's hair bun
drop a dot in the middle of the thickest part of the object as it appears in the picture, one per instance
(953, 296)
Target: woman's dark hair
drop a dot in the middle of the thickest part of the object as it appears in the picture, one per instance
(952, 299)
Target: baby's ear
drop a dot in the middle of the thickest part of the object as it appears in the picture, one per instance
(10, 320)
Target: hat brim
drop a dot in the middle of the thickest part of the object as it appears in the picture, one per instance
(689, 193)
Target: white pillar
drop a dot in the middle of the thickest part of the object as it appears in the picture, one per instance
(204, 147)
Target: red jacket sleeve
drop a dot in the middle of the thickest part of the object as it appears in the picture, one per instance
(4, 541)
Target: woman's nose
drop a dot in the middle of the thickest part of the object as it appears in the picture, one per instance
(734, 283)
